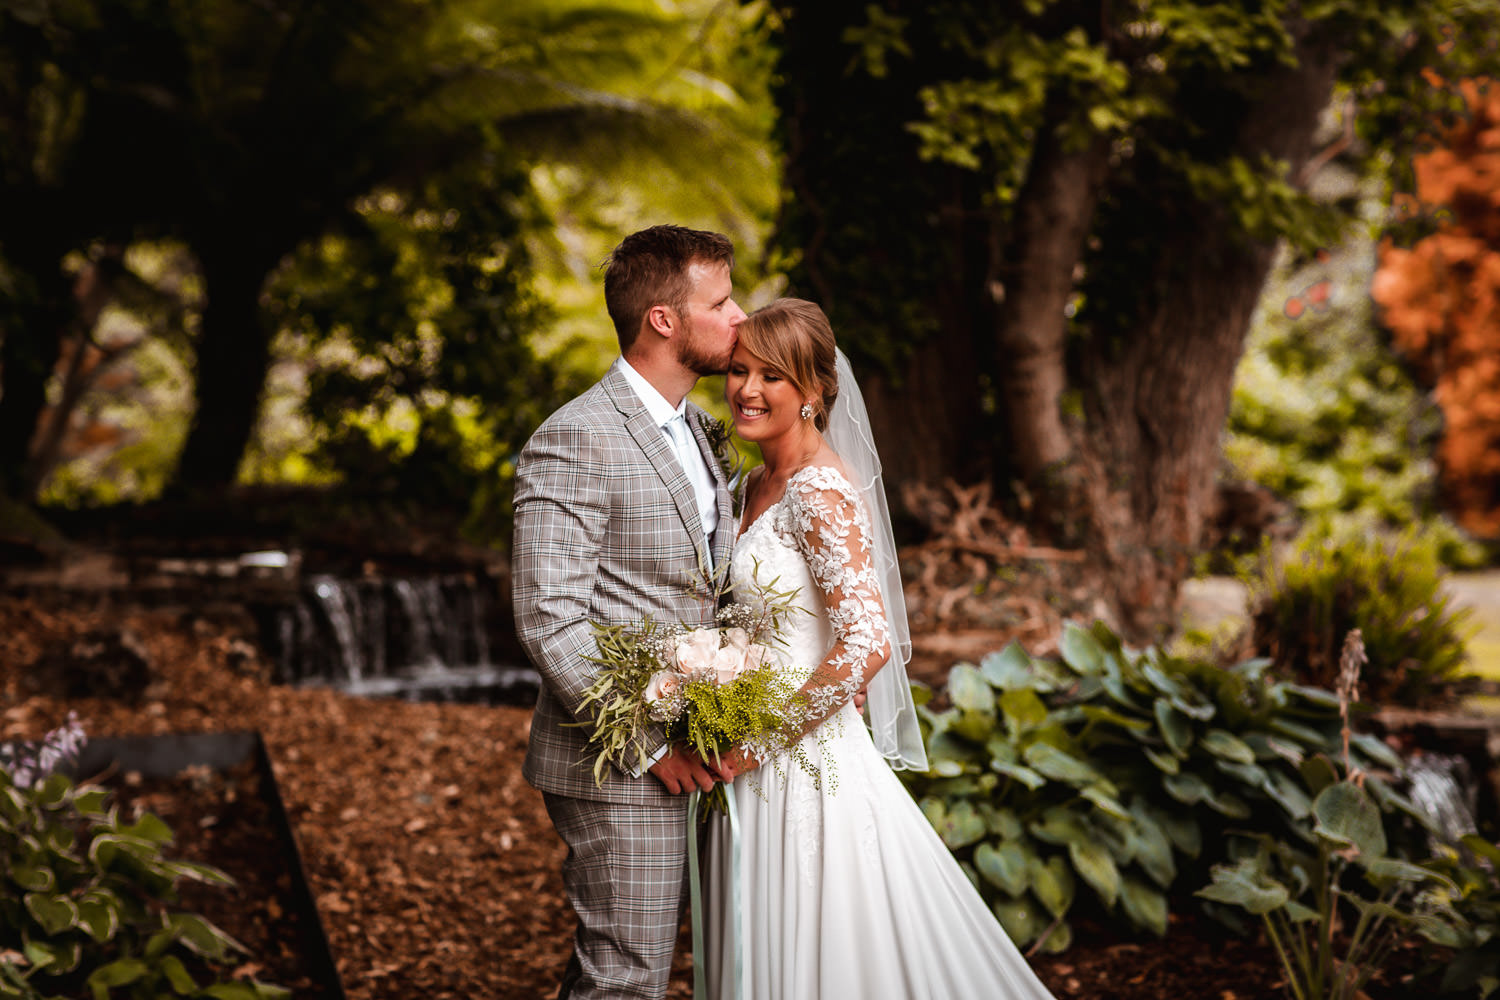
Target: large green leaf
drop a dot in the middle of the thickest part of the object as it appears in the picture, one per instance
(1245, 885)
(1060, 825)
(961, 825)
(1096, 866)
(1175, 728)
(1022, 709)
(1166, 762)
(1051, 882)
(1187, 788)
(1222, 743)
(1288, 793)
(1021, 918)
(1024, 775)
(968, 690)
(56, 914)
(1144, 905)
(1152, 847)
(1081, 650)
(1104, 797)
(1345, 815)
(1003, 865)
(1061, 766)
(1010, 668)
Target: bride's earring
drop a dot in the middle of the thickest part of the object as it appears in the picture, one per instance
(806, 411)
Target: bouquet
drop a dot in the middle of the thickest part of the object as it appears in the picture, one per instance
(708, 687)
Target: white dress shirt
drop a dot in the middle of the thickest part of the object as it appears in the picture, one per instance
(674, 427)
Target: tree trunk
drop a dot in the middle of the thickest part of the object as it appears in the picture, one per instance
(234, 351)
(30, 339)
(1053, 215)
(1156, 395)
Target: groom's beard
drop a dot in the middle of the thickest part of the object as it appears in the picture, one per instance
(693, 355)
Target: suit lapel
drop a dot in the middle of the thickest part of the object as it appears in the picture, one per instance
(723, 540)
(648, 434)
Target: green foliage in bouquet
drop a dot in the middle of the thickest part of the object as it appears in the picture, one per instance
(88, 903)
(1116, 769)
(709, 688)
(1303, 603)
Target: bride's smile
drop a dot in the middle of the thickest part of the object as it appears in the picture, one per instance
(764, 402)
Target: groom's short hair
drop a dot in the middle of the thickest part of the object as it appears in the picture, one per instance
(650, 268)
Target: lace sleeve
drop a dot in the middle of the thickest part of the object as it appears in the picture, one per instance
(831, 530)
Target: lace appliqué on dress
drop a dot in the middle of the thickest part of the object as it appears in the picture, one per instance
(823, 518)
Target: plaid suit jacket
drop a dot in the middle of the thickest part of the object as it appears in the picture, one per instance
(606, 530)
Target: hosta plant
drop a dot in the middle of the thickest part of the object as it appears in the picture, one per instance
(1109, 770)
(89, 902)
(1334, 913)
(1471, 868)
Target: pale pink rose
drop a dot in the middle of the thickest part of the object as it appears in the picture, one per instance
(696, 651)
(663, 686)
(736, 637)
(756, 656)
(729, 663)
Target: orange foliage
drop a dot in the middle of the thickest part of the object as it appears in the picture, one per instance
(1441, 301)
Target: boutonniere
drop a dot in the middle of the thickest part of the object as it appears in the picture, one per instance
(731, 461)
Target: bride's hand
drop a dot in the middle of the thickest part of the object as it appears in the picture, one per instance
(735, 762)
(860, 697)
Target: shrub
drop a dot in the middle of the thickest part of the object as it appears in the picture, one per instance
(88, 904)
(1391, 589)
(1115, 769)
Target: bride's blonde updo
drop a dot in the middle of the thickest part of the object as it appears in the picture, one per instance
(794, 338)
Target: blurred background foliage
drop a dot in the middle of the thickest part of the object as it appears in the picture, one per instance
(396, 210)
(396, 213)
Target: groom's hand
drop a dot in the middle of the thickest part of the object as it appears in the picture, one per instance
(860, 697)
(682, 770)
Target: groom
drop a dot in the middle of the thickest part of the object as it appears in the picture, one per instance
(621, 512)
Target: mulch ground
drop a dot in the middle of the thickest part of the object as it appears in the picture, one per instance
(433, 864)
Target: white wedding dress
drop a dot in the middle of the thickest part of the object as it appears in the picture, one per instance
(845, 890)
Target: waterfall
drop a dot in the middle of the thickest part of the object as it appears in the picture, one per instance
(415, 637)
(1441, 786)
(343, 609)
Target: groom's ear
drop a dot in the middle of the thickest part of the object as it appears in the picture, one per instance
(661, 320)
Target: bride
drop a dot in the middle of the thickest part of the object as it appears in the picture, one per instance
(837, 886)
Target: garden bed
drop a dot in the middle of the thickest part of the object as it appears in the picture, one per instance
(218, 794)
(431, 861)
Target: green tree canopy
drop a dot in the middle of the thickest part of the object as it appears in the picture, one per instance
(1044, 225)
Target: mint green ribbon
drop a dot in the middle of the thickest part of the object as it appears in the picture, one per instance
(700, 956)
